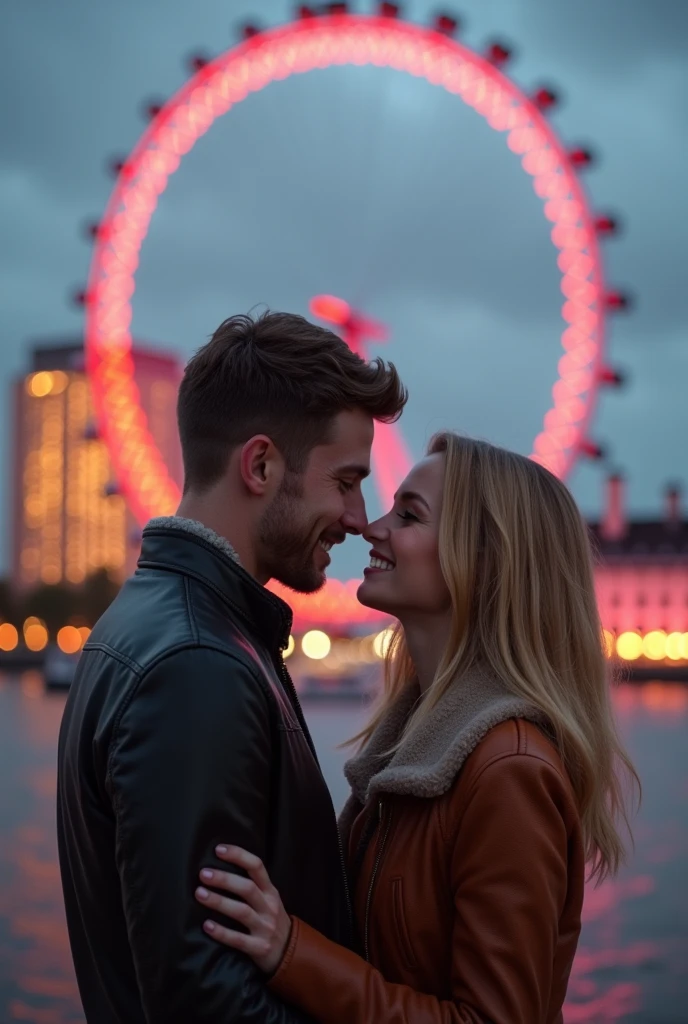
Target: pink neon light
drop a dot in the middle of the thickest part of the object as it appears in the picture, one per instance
(330, 308)
(271, 56)
(391, 460)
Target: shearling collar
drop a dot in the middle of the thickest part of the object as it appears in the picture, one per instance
(198, 529)
(428, 761)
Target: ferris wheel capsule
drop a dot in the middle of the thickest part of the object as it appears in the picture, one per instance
(447, 24)
(581, 157)
(197, 61)
(498, 54)
(606, 225)
(545, 99)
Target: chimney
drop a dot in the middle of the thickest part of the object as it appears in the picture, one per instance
(673, 516)
(613, 525)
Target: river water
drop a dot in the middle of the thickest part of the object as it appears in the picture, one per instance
(632, 963)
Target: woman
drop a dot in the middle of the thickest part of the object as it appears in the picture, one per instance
(487, 778)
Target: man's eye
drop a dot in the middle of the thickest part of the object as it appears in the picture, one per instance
(408, 516)
(345, 486)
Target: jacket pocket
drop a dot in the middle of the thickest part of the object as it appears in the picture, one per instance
(400, 923)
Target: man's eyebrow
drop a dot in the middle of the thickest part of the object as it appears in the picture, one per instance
(411, 496)
(355, 469)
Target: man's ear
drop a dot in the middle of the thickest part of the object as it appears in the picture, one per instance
(261, 465)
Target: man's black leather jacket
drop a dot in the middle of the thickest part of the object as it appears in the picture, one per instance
(183, 730)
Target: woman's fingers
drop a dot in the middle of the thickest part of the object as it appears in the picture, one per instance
(249, 862)
(249, 944)
(238, 911)
(260, 908)
(244, 887)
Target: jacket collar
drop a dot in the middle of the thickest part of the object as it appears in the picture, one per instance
(192, 549)
(428, 761)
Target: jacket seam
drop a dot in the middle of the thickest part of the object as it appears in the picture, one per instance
(274, 602)
(97, 645)
(519, 753)
(494, 760)
(522, 736)
(199, 577)
(190, 611)
(159, 531)
(169, 652)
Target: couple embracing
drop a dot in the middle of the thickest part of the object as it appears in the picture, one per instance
(206, 879)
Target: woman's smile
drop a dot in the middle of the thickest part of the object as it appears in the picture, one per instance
(378, 563)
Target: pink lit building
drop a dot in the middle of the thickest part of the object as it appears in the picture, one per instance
(642, 582)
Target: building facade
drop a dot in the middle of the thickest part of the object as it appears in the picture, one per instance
(68, 519)
(641, 581)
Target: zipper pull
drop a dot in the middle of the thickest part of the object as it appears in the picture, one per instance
(379, 810)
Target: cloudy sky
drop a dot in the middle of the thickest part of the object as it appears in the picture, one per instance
(374, 186)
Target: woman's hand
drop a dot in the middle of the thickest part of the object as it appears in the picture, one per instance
(261, 913)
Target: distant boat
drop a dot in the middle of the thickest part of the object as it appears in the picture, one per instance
(59, 668)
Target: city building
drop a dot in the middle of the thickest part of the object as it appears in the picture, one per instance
(68, 519)
(642, 582)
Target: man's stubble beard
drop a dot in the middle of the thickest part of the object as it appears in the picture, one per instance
(287, 540)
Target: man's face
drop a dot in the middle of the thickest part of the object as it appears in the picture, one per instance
(317, 508)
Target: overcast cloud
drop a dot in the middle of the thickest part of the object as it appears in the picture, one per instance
(374, 186)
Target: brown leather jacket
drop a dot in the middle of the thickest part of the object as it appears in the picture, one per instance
(468, 892)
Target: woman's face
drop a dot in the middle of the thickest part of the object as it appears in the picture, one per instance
(404, 576)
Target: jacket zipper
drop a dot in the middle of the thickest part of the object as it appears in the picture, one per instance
(342, 863)
(369, 898)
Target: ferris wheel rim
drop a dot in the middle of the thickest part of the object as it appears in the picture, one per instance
(108, 350)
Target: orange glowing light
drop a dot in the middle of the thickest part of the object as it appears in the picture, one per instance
(69, 640)
(35, 637)
(40, 384)
(9, 637)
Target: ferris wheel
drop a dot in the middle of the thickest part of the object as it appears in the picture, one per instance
(320, 38)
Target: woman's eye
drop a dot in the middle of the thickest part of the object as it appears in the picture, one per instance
(408, 516)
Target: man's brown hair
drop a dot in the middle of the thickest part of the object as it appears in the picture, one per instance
(276, 374)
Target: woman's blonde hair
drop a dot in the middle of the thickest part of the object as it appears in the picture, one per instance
(516, 557)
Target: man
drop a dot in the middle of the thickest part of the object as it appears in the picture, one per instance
(182, 726)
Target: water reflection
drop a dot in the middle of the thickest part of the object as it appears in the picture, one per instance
(634, 948)
(37, 982)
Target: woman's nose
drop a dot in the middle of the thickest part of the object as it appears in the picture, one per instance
(376, 530)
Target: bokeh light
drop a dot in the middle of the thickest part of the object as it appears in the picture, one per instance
(629, 646)
(654, 645)
(382, 641)
(9, 637)
(35, 636)
(316, 644)
(69, 640)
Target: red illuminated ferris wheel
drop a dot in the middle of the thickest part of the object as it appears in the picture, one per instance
(319, 39)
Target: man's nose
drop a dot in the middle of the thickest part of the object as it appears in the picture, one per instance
(355, 519)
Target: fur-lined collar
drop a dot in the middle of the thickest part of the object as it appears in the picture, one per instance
(193, 526)
(428, 761)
